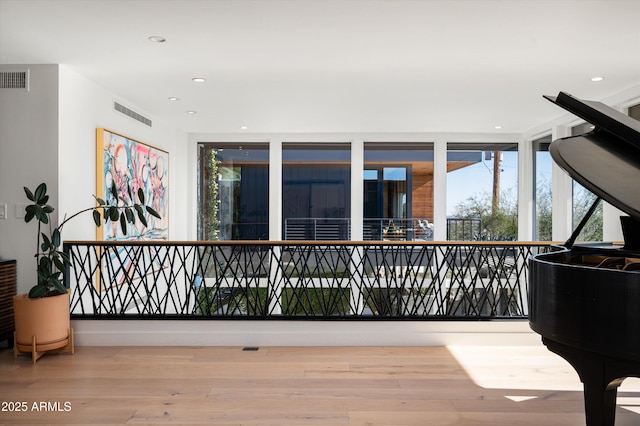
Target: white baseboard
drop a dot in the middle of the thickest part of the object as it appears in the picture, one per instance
(301, 333)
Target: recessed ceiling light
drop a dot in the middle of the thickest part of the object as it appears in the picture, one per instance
(173, 98)
(597, 78)
(191, 112)
(157, 39)
(497, 127)
(243, 127)
(199, 79)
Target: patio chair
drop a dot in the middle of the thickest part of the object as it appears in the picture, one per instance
(426, 228)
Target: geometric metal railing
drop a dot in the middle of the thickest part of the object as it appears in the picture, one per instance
(299, 279)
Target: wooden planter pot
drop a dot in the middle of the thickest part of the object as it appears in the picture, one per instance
(42, 325)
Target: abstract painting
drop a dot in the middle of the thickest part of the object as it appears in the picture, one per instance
(132, 164)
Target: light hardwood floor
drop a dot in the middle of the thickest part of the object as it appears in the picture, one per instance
(464, 385)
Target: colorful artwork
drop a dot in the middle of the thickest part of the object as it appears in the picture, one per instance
(132, 164)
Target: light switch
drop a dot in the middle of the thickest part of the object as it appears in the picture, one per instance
(3, 211)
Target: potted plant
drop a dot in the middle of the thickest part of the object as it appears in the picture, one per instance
(42, 316)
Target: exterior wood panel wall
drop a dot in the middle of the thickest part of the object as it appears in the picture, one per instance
(422, 191)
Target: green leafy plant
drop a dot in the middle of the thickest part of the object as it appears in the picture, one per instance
(51, 260)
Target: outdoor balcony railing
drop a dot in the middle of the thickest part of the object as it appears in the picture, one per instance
(377, 229)
(380, 229)
(299, 279)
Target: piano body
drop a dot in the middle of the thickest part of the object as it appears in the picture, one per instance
(585, 299)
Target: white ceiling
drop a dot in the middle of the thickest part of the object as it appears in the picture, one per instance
(335, 66)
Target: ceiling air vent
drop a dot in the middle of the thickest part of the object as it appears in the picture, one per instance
(131, 113)
(14, 79)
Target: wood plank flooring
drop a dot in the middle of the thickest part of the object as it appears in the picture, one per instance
(467, 385)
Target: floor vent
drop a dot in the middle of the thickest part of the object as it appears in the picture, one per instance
(250, 348)
(14, 79)
(131, 113)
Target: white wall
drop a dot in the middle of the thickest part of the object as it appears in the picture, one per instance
(28, 152)
(48, 135)
(85, 106)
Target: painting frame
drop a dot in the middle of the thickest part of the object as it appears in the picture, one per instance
(129, 162)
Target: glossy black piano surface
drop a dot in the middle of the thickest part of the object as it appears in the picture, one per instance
(576, 303)
(584, 300)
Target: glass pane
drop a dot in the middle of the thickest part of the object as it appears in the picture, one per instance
(233, 191)
(370, 175)
(482, 191)
(581, 129)
(316, 191)
(398, 204)
(395, 173)
(394, 194)
(542, 190)
(583, 199)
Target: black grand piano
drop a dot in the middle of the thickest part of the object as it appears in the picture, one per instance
(585, 298)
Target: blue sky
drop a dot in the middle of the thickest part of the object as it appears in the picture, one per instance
(478, 178)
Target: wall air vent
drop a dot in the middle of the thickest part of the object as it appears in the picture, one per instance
(14, 79)
(131, 113)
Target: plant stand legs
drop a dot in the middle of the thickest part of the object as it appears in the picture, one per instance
(37, 351)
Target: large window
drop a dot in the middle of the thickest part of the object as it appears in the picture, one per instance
(316, 191)
(482, 191)
(542, 230)
(398, 191)
(233, 192)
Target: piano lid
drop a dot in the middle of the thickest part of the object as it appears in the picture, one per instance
(606, 160)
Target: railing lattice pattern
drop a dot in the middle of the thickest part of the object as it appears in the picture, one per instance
(287, 280)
